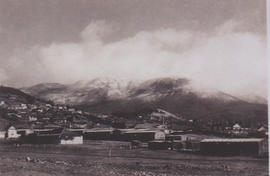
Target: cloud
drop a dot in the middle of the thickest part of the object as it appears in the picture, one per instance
(3, 76)
(226, 60)
(96, 30)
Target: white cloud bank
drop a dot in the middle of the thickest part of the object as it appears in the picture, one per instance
(229, 61)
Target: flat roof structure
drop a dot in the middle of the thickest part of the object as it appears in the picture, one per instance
(140, 131)
(233, 140)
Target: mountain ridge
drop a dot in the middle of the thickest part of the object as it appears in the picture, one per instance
(171, 94)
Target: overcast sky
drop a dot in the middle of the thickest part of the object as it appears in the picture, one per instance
(216, 43)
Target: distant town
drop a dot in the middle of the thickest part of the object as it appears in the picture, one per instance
(47, 123)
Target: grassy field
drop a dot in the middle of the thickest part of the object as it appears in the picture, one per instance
(100, 158)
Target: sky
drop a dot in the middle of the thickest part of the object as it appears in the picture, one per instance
(215, 43)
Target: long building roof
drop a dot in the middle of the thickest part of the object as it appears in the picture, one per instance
(233, 140)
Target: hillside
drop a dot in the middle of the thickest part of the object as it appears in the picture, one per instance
(11, 95)
(134, 98)
(25, 111)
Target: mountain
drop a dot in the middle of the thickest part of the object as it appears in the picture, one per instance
(81, 91)
(132, 98)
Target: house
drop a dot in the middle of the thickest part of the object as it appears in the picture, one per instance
(236, 126)
(40, 110)
(80, 125)
(71, 110)
(79, 112)
(162, 127)
(12, 133)
(32, 119)
(3, 104)
(71, 138)
(159, 135)
(262, 129)
(262, 132)
(237, 131)
(48, 105)
(234, 146)
(23, 106)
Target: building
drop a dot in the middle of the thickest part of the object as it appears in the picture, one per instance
(160, 145)
(32, 119)
(71, 110)
(98, 134)
(24, 132)
(2, 103)
(186, 142)
(142, 135)
(12, 133)
(35, 138)
(237, 131)
(261, 132)
(71, 138)
(159, 135)
(234, 146)
(185, 137)
(262, 129)
(40, 136)
(236, 126)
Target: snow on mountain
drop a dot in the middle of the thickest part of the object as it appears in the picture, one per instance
(175, 95)
(114, 89)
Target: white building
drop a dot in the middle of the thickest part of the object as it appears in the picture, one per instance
(71, 110)
(236, 127)
(12, 133)
(262, 129)
(2, 103)
(160, 136)
(71, 138)
(32, 119)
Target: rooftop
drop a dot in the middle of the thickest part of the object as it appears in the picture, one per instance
(233, 140)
